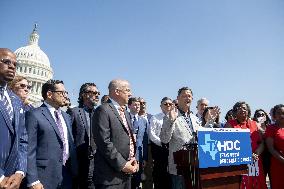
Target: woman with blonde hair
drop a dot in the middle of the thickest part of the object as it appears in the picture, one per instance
(20, 86)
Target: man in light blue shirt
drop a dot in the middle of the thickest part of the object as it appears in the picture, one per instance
(139, 126)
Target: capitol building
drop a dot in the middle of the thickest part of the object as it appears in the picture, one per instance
(34, 64)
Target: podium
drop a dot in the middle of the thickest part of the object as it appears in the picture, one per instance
(222, 177)
(217, 161)
(225, 177)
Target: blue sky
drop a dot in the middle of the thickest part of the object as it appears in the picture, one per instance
(225, 50)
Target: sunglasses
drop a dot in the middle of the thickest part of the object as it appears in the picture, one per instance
(25, 86)
(167, 104)
(143, 103)
(8, 62)
(260, 115)
(94, 93)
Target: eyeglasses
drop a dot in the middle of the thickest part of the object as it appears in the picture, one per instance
(125, 90)
(260, 115)
(94, 93)
(167, 104)
(242, 108)
(144, 103)
(8, 62)
(61, 92)
(22, 85)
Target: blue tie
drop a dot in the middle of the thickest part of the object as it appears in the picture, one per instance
(135, 125)
(6, 103)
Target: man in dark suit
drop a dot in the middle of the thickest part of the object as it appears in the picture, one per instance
(51, 150)
(112, 128)
(13, 135)
(82, 133)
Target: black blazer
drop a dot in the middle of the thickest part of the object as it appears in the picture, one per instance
(82, 139)
(113, 142)
(80, 129)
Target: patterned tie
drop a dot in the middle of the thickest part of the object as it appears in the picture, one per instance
(6, 103)
(57, 114)
(122, 116)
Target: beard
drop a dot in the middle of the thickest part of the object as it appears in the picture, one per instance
(93, 102)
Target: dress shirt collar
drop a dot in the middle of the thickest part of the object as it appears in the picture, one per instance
(132, 115)
(116, 105)
(50, 108)
(4, 87)
(87, 109)
(184, 113)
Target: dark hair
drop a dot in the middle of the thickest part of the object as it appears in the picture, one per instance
(104, 99)
(267, 122)
(184, 89)
(230, 112)
(83, 89)
(204, 114)
(239, 104)
(49, 86)
(165, 98)
(277, 107)
(132, 99)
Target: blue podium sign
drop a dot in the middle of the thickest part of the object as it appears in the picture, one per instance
(223, 147)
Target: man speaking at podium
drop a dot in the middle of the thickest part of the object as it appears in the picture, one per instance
(179, 128)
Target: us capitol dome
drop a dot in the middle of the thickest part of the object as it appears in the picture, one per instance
(34, 64)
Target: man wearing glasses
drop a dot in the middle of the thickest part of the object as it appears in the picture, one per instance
(13, 136)
(51, 151)
(82, 132)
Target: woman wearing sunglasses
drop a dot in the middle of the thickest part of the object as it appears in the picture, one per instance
(19, 85)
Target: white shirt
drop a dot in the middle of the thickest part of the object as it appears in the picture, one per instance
(156, 123)
(65, 132)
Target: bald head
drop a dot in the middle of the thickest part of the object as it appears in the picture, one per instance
(119, 90)
(8, 64)
(5, 50)
(117, 84)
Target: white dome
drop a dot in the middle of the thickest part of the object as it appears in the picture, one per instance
(32, 51)
(34, 64)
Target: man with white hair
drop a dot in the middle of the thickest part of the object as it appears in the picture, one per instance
(202, 104)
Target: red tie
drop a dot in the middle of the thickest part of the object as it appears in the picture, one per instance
(122, 116)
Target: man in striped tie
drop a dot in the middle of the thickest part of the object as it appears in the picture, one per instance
(13, 135)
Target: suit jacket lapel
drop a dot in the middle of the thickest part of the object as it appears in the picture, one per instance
(50, 119)
(83, 119)
(16, 109)
(68, 125)
(6, 117)
(129, 122)
(118, 117)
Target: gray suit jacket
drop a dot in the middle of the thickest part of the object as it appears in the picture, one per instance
(113, 142)
(177, 133)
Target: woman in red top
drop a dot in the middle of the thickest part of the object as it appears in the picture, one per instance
(255, 178)
(275, 143)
